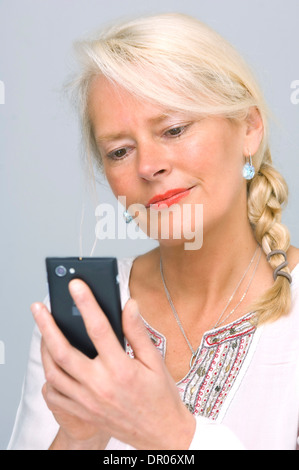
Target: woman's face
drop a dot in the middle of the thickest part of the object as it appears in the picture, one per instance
(148, 151)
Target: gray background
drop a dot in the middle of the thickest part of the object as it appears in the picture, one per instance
(42, 179)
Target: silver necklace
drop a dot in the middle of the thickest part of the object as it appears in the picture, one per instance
(219, 322)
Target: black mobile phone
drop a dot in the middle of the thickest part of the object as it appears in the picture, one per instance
(101, 275)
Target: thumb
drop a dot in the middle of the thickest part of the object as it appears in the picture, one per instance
(136, 333)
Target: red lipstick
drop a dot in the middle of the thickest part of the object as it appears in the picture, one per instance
(170, 197)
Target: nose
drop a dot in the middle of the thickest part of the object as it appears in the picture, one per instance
(152, 162)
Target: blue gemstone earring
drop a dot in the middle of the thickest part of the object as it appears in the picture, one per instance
(248, 169)
(127, 216)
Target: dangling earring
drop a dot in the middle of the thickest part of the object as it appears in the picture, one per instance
(127, 216)
(248, 168)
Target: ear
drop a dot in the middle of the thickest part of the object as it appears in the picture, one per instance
(254, 131)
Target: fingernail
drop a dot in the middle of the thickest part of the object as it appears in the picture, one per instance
(75, 286)
(35, 308)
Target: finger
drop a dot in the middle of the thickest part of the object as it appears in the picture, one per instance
(138, 337)
(96, 322)
(57, 378)
(63, 405)
(68, 358)
(61, 390)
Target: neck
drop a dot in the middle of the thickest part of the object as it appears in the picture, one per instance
(210, 274)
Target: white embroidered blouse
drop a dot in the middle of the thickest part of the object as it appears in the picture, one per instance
(243, 386)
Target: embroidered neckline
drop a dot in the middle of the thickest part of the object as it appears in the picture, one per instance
(211, 337)
(219, 366)
(216, 367)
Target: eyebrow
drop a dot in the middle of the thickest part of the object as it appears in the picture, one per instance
(121, 135)
(109, 137)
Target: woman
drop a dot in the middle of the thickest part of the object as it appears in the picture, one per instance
(172, 115)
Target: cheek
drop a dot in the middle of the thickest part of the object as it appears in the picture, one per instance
(121, 183)
(225, 149)
(205, 159)
(217, 163)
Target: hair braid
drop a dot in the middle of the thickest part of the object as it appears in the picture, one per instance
(267, 195)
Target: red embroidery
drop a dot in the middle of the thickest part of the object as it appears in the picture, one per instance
(216, 367)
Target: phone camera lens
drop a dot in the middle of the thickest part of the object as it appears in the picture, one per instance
(60, 271)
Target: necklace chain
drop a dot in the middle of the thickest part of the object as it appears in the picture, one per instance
(219, 322)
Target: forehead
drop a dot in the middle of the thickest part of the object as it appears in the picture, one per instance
(109, 101)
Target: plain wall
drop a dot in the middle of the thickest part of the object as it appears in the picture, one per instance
(42, 183)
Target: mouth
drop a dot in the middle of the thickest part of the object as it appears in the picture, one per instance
(172, 196)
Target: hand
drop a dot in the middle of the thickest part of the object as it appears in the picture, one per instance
(74, 432)
(134, 400)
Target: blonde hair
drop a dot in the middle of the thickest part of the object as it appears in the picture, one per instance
(180, 63)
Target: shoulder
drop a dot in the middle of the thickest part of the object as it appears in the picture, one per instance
(140, 272)
(141, 265)
(124, 266)
(137, 267)
(134, 274)
(144, 270)
(293, 257)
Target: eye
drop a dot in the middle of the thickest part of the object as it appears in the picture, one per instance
(176, 131)
(118, 154)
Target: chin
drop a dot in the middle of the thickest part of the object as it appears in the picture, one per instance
(174, 226)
